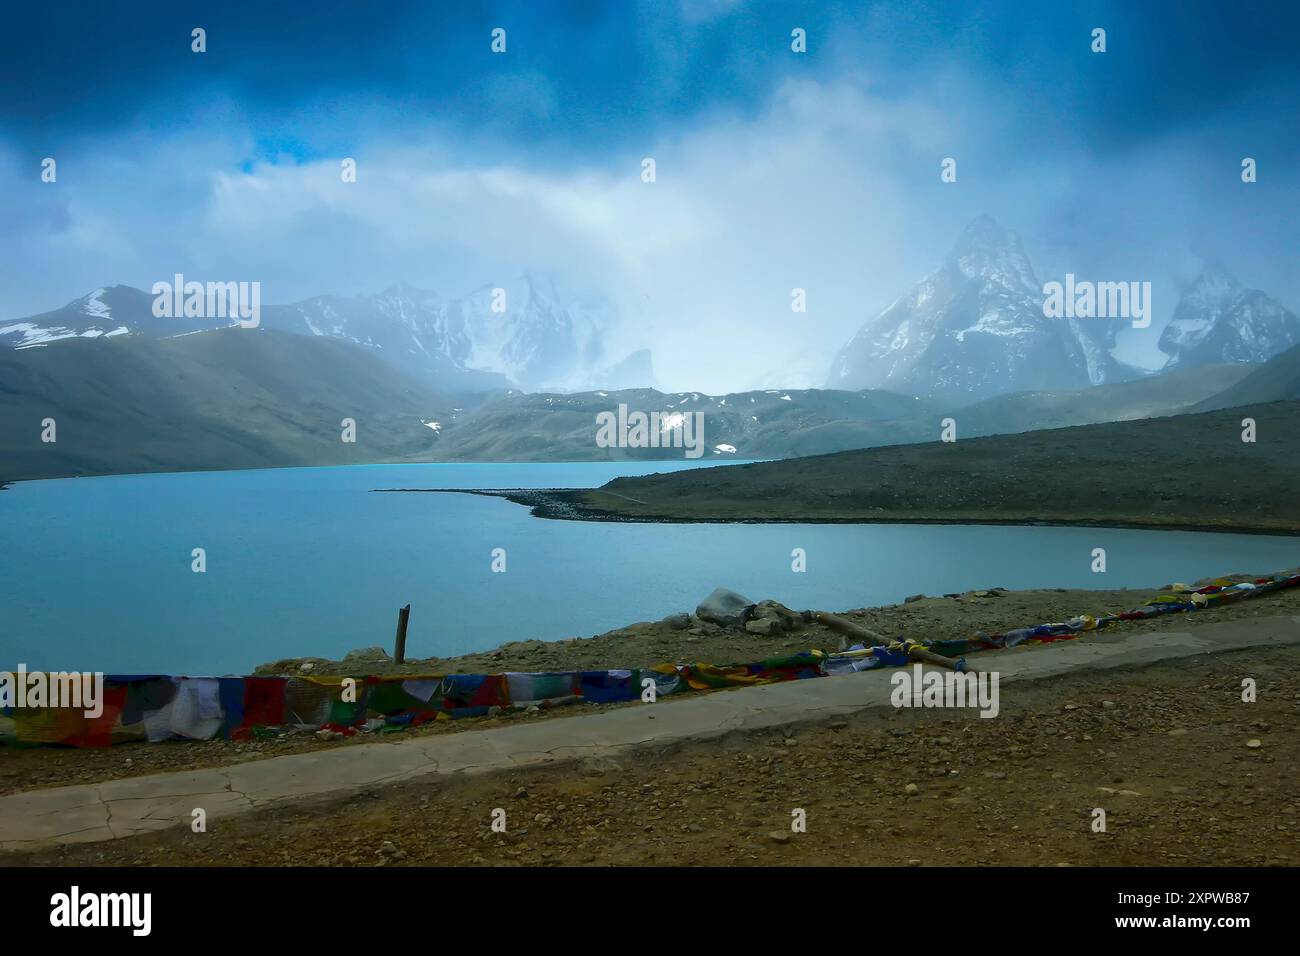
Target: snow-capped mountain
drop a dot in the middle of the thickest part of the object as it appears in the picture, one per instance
(975, 328)
(112, 311)
(523, 334)
(1218, 320)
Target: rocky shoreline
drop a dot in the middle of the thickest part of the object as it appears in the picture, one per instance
(561, 503)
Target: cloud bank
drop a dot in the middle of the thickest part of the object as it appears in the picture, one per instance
(826, 178)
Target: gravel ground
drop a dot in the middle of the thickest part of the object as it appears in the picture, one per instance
(1187, 773)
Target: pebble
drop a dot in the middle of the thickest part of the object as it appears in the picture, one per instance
(911, 789)
(779, 836)
(1254, 743)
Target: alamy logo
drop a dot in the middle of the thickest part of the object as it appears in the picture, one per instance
(75, 908)
(653, 430)
(1098, 300)
(241, 301)
(54, 689)
(918, 687)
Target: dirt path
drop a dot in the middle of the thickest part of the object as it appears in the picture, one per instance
(637, 645)
(1018, 789)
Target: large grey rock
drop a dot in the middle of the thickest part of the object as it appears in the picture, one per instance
(724, 607)
(367, 654)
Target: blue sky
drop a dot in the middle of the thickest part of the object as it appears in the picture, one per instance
(775, 169)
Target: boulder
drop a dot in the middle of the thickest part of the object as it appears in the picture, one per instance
(912, 599)
(784, 618)
(724, 608)
(766, 626)
(367, 654)
(678, 622)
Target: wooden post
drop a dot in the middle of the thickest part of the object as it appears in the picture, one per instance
(868, 636)
(399, 652)
(921, 654)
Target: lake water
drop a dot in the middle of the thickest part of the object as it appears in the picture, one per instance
(95, 573)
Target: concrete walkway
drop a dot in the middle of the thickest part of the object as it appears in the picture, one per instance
(122, 808)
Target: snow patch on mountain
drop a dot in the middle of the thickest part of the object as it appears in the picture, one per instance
(94, 305)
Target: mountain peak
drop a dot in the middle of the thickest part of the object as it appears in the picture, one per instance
(1219, 320)
(972, 329)
(988, 250)
(984, 232)
(981, 225)
(1214, 282)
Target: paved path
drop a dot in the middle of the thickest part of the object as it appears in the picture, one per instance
(123, 808)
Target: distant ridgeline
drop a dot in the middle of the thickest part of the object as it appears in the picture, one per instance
(111, 383)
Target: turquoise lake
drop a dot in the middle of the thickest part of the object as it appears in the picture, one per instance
(95, 573)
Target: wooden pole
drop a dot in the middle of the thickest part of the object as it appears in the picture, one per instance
(930, 657)
(399, 652)
(867, 636)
